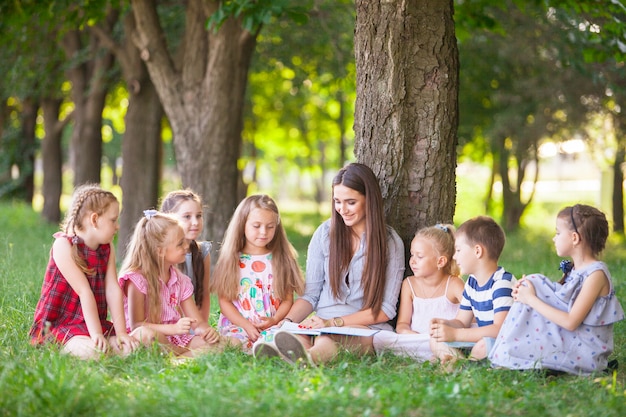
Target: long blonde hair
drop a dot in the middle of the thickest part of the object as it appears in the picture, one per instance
(171, 204)
(288, 277)
(441, 237)
(87, 199)
(142, 256)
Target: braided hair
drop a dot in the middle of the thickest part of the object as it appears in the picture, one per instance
(87, 199)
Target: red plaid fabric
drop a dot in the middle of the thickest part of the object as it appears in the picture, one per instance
(59, 304)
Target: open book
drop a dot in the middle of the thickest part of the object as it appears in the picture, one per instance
(348, 331)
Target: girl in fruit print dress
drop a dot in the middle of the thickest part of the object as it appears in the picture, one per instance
(257, 272)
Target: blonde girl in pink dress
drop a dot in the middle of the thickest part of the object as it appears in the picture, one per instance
(158, 297)
(257, 273)
(187, 207)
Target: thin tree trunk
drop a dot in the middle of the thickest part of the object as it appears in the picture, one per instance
(26, 154)
(89, 89)
(142, 146)
(618, 189)
(142, 155)
(52, 160)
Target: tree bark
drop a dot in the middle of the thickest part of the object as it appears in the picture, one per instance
(26, 154)
(203, 96)
(52, 160)
(142, 147)
(618, 175)
(406, 114)
(618, 191)
(89, 89)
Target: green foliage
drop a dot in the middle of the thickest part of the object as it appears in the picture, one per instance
(301, 94)
(256, 13)
(42, 382)
(598, 27)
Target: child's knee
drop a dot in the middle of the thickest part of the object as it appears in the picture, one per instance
(482, 348)
(82, 347)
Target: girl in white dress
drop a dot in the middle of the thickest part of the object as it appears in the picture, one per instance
(434, 290)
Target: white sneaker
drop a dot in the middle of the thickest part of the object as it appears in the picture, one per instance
(265, 350)
(292, 349)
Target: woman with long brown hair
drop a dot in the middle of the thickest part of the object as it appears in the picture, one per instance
(355, 266)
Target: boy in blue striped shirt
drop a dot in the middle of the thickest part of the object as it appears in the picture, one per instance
(486, 298)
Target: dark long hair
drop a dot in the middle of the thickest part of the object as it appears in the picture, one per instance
(170, 204)
(591, 226)
(360, 178)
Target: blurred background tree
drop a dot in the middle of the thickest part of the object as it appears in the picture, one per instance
(531, 74)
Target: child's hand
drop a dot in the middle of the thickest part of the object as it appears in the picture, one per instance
(440, 331)
(524, 292)
(126, 344)
(520, 282)
(210, 335)
(100, 342)
(266, 322)
(252, 331)
(184, 325)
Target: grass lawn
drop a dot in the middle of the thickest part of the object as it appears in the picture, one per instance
(41, 382)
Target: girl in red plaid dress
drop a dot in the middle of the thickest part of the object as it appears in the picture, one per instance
(80, 282)
(158, 297)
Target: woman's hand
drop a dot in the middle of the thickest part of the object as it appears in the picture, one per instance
(314, 322)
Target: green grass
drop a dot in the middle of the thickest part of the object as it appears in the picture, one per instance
(41, 382)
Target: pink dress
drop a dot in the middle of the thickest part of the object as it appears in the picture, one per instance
(177, 289)
(417, 346)
(255, 297)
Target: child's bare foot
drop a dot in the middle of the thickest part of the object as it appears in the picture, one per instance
(448, 362)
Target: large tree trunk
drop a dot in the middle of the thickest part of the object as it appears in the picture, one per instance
(89, 89)
(203, 100)
(407, 107)
(52, 160)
